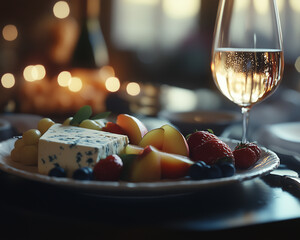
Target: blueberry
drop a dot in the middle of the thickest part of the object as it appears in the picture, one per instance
(57, 172)
(227, 168)
(214, 172)
(84, 173)
(198, 170)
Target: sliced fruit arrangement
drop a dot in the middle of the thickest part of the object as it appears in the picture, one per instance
(161, 153)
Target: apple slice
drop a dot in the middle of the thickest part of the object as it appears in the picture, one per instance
(133, 149)
(174, 141)
(146, 167)
(154, 138)
(133, 127)
(113, 128)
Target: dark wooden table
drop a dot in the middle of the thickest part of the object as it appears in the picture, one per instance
(33, 210)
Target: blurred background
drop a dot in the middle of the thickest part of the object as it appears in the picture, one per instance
(144, 57)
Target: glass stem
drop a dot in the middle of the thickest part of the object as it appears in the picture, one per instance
(245, 112)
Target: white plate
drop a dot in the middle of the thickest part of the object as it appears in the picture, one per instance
(268, 162)
(281, 136)
(21, 122)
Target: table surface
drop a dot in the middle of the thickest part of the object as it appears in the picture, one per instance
(35, 208)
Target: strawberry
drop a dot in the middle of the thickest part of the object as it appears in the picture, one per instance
(108, 169)
(256, 149)
(198, 138)
(246, 155)
(212, 151)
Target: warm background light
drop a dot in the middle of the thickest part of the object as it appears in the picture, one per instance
(33, 73)
(133, 88)
(261, 6)
(144, 2)
(61, 9)
(295, 5)
(40, 71)
(28, 73)
(8, 80)
(181, 8)
(112, 84)
(297, 64)
(75, 84)
(106, 72)
(64, 79)
(10, 32)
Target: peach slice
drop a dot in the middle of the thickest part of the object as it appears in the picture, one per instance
(174, 141)
(146, 167)
(154, 138)
(133, 127)
(173, 165)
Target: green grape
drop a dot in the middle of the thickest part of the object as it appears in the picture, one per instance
(67, 121)
(16, 155)
(44, 124)
(31, 137)
(90, 124)
(100, 122)
(19, 143)
(29, 154)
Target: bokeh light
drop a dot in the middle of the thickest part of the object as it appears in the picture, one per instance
(27, 73)
(10, 32)
(144, 2)
(181, 8)
(40, 71)
(33, 73)
(297, 64)
(112, 84)
(261, 6)
(295, 5)
(61, 9)
(133, 88)
(8, 80)
(75, 84)
(64, 78)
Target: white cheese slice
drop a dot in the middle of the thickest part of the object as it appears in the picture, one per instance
(73, 147)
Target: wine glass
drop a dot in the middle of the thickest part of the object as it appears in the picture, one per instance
(247, 55)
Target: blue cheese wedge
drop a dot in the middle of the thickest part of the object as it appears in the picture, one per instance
(73, 147)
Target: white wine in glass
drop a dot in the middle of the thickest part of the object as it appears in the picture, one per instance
(247, 56)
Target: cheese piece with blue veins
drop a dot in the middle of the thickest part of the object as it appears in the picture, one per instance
(73, 147)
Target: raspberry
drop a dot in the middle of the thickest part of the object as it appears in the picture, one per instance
(246, 154)
(108, 169)
(244, 158)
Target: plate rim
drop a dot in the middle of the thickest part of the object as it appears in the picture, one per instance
(130, 188)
